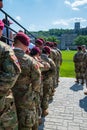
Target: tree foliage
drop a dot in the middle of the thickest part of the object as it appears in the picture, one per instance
(81, 40)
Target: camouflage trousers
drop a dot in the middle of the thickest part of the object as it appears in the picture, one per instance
(47, 90)
(38, 105)
(27, 119)
(8, 116)
(80, 72)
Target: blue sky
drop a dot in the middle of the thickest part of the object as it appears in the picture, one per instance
(36, 15)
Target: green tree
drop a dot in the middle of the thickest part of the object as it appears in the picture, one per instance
(81, 40)
(53, 39)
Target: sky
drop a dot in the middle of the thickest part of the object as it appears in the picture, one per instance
(42, 15)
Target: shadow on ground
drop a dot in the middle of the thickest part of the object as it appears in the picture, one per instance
(83, 103)
(76, 87)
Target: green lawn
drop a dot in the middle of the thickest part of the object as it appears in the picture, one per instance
(67, 67)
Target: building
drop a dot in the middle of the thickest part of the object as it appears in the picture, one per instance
(66, 41)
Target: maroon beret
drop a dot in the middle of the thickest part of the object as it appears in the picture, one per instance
(39, 42)
(51, 44)
(34, 51)
(47, 43)
(1, 25)
(42, 40)
(79, 48)
(23, 38)
(46, 49)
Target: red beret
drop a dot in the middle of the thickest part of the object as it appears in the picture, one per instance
(46, 49)
(79, 48)
(1, 25)
(42, 40)
(35, 50)
(47, 43)
(23, 38)
(38, 41)
(51, 44)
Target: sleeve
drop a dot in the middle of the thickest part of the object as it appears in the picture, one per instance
(51, 70)
(35, 76)
(74, 58)
(9, 72)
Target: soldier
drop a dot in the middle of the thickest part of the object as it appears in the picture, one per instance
(27, 85)
(59, 60)
(78, 61)
(44, 66)
(9, 72)
(85, 71)
(53, 55)
(47, 79)
(39, 43)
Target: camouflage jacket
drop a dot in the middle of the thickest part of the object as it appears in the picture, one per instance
(52, 68)
(78, 57)
(29, 80)
(9, 71)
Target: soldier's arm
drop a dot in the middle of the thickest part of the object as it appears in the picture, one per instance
(51, 70)
(35, 76)
(9, 71)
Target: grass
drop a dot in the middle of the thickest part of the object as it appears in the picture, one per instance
(67, 67)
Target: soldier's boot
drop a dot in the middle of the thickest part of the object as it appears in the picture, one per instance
(77, 80)
(51, 98)
(45, 113)
(82, 81)
(85, 92)
(53, 91)
(35, 127)
(40, 121)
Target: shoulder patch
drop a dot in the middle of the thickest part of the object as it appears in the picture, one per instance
(36, 66)
(14, 58)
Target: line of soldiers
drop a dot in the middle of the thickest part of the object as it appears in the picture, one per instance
(27, 81)
(80, 62)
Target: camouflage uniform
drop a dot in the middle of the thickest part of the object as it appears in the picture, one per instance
(44, 66)
(53, 56)
(85, 63)
(79, 69)
(47, 78)
(9, 72)
(58, 63)
(25, 91)
(85, 68)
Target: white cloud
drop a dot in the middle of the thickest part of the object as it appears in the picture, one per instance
(76, 4)
(32, 27)
(60, 22)
(67, 22)
(18, 18)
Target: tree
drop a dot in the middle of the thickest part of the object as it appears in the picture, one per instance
(53, 39)
(81, 40)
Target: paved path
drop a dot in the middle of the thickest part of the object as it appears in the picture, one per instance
(68, 111)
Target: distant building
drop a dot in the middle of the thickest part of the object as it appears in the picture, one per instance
(67, 40)
(77, 26)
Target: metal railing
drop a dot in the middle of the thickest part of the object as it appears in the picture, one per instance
(7, 17)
